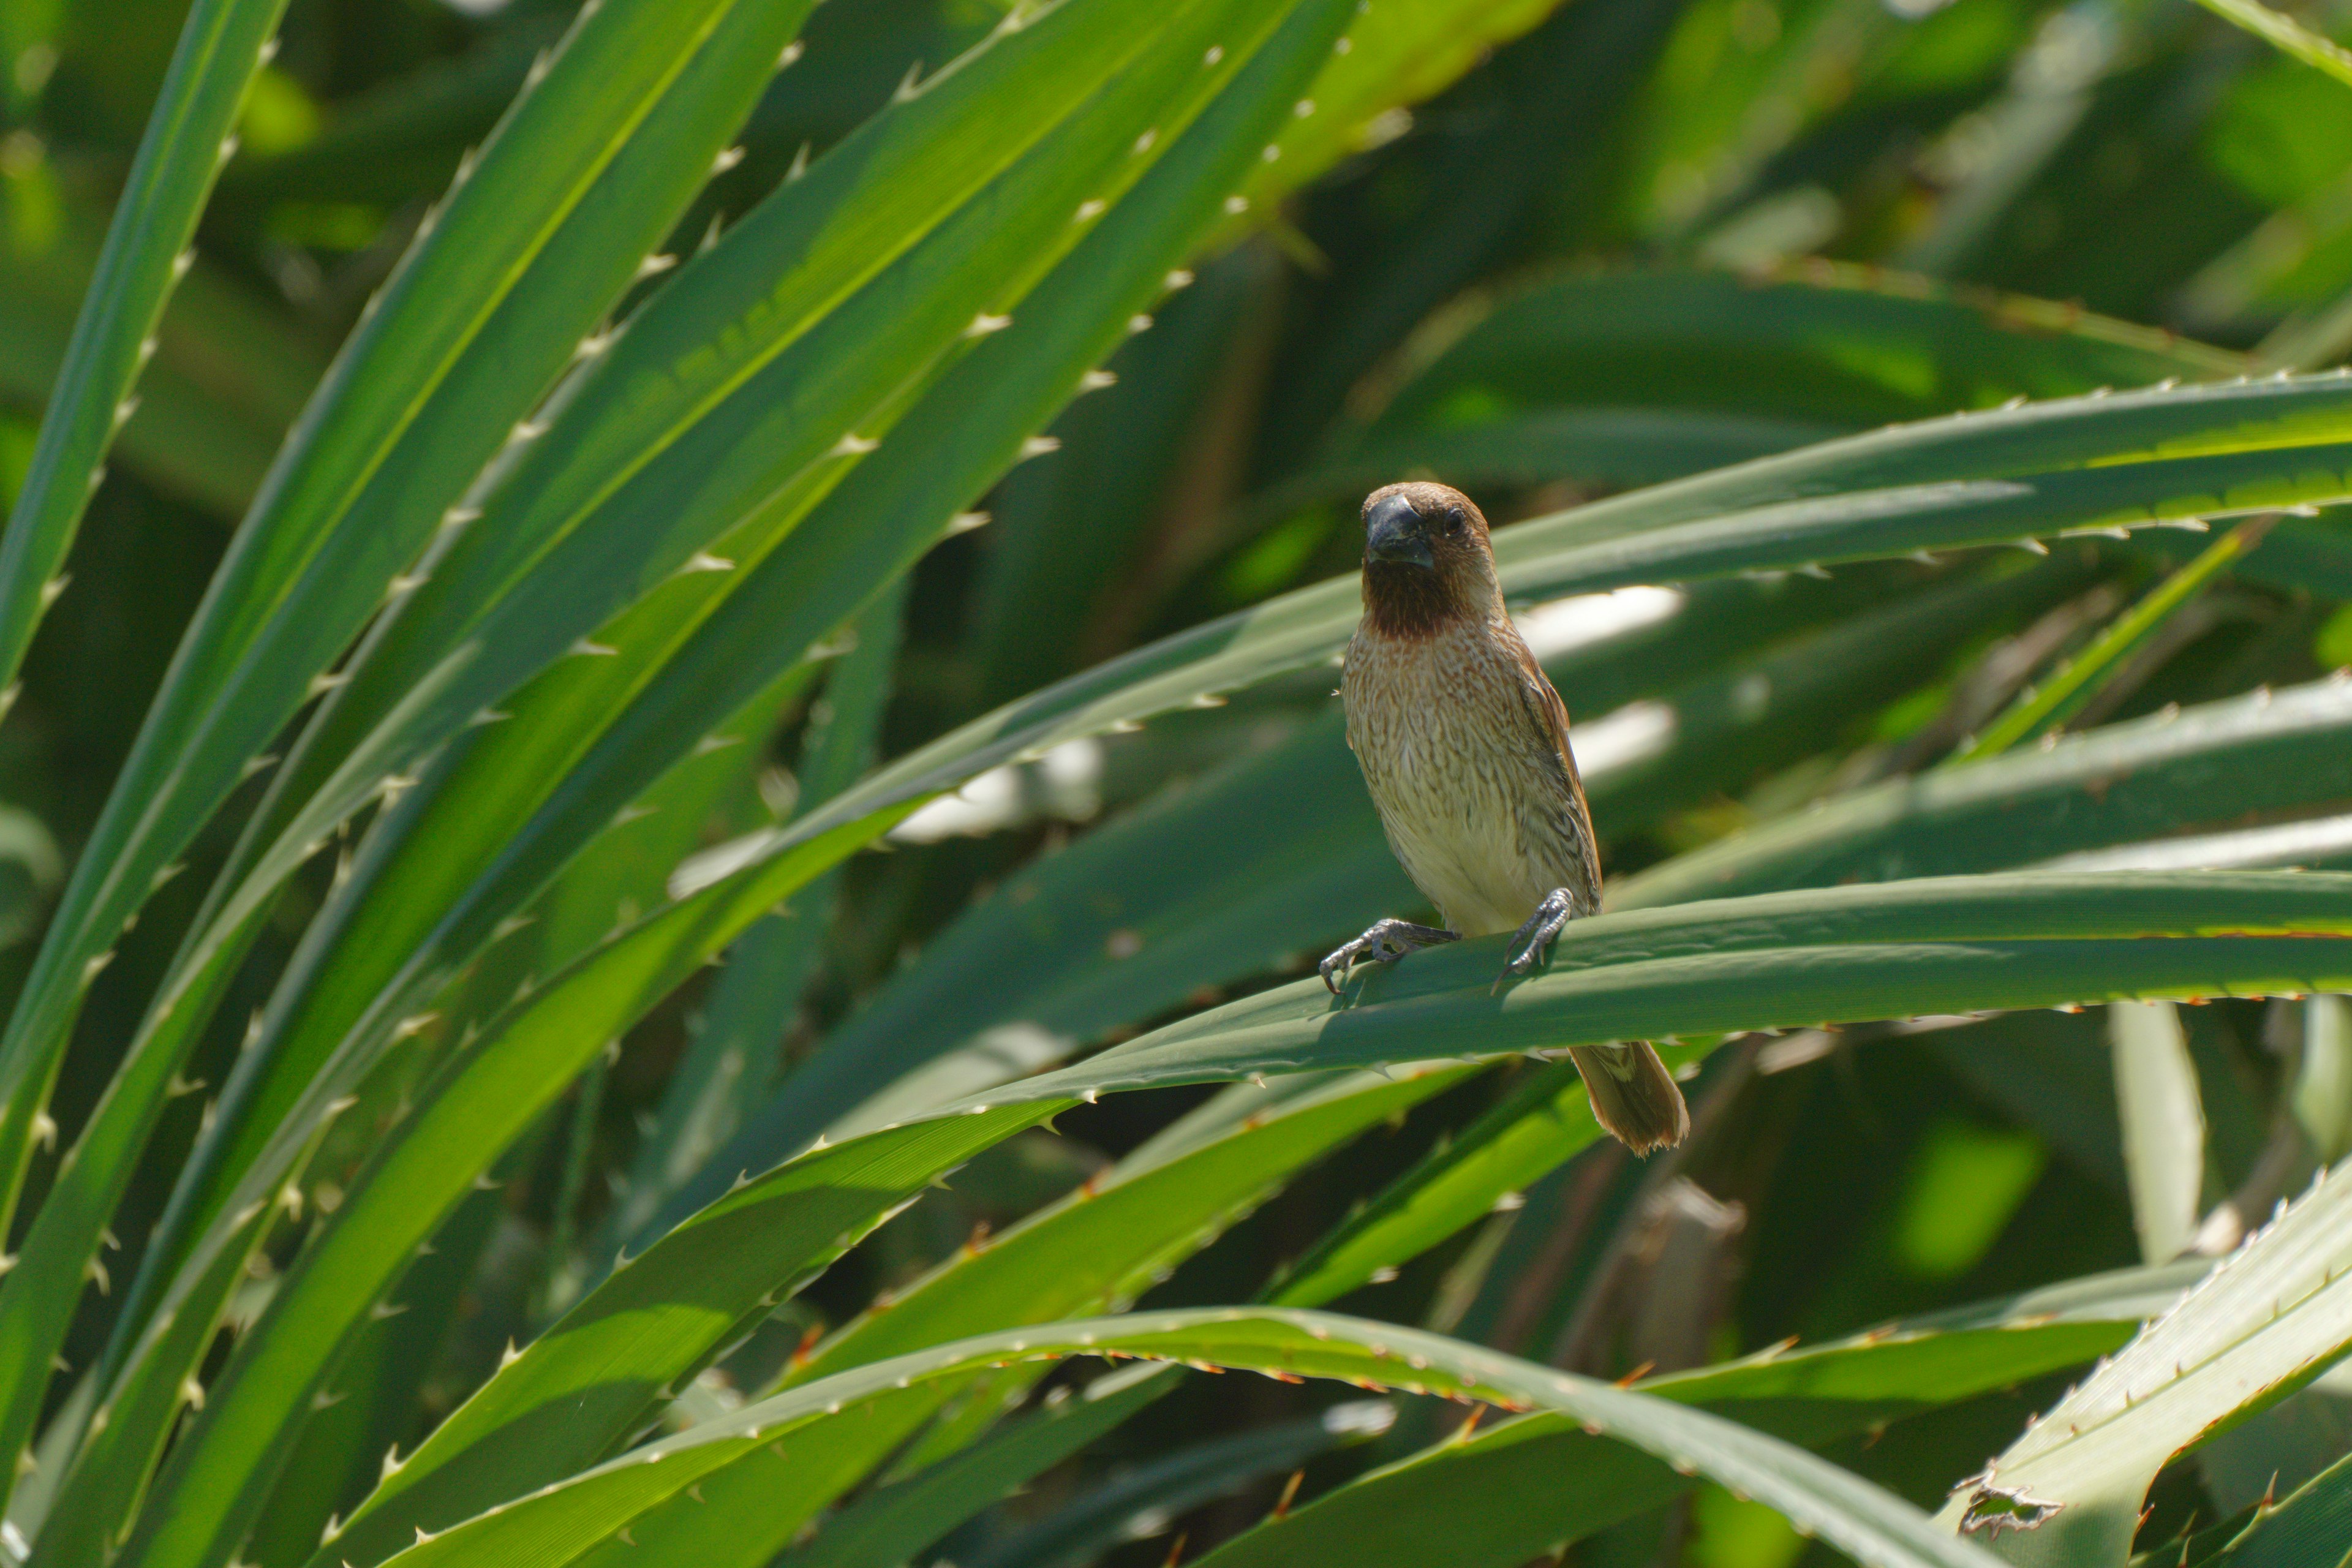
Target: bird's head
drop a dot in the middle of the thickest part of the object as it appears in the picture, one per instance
(1427, 559)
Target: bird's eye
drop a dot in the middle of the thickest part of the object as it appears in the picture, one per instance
(1455, 520)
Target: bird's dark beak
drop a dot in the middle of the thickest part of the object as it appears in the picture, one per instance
(1393, 532)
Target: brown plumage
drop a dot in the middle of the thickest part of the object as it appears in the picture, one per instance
(1465, 748)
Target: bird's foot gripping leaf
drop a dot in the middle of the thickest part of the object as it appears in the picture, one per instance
(1383, 942)
(1531, 940)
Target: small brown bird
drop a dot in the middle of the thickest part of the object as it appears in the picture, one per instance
(1463, 746)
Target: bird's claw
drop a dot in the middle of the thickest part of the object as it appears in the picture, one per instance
(1531, 940)
(1383, 942)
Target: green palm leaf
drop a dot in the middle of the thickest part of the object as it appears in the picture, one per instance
(1872, 1526)
(188, 137)
(1528, 1486)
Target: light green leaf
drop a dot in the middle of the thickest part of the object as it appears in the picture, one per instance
(2274, 1315)
(2163, 1124)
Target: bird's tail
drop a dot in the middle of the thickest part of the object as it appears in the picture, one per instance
(1633, 1096)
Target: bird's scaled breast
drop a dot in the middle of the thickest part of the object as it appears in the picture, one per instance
(1449, 755)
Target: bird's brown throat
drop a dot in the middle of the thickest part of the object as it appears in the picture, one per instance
(1405, 600)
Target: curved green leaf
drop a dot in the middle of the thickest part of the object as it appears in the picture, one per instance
(996, 397)
(1778, 960)
(1526, 1488)
(1095, 1250)
(1102, 1247)
(891, 1523)
(1874, 1528)
(1009, 384)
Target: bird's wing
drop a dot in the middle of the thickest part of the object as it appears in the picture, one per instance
(1550, 716)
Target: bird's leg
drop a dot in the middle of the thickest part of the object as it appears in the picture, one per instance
(1383, 942)
(1530, 940)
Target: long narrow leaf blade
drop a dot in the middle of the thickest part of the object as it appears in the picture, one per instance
(222, 43)
(1528, 1487)
(1872, 1526)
